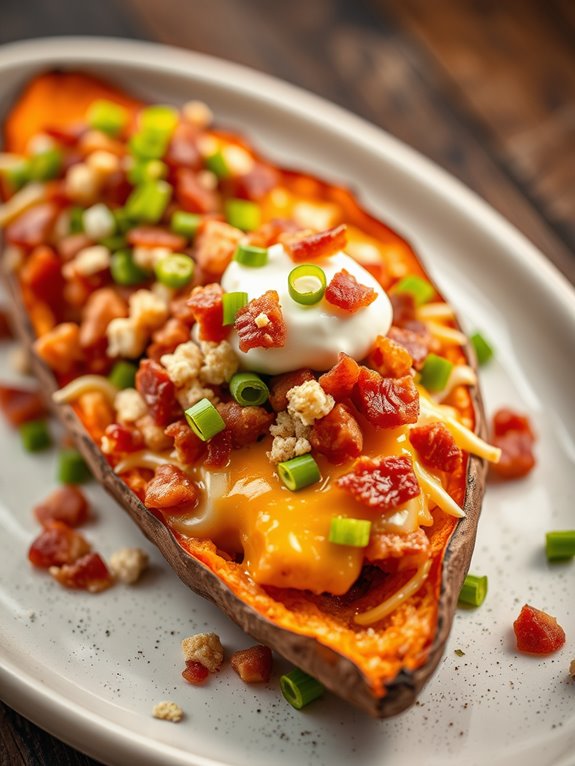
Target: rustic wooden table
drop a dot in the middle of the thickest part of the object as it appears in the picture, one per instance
(486, 88)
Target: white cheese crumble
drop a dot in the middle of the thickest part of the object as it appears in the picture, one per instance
(205, 648)
(309, 402)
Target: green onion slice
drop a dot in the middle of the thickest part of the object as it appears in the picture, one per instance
(299, 689)
(306, 284)
(216, 162)
(148, 201)
(474, 590)
(186, 224)
(435, 372)
(108, 117)
(45, 165)
(175, 270)
(146, 170)
(299, 472)
(71, 467)
(243, 214)
(124, 270)
(249, 255)
(354, 532)
(204, 419)
(35, 435)
(560, 545)
(232, 303)
(158, 120)
(123, 374)
(483, 350)
(248, 389)
(76, 220)
(420, 288)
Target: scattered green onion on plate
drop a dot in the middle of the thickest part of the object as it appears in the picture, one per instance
(474, 590)
(35, 435)
(299, 689)
(483, 350)
(72, 468)
(560, 545)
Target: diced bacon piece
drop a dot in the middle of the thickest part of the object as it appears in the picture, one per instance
(256, 183)
(281, 384)
(188, 446)
(171, 488)
(416, 343)
(137, 480)
(341, 379)
(537, 632)
(381, 483)
(386, 402)
(158, 391)
(517, 458)
(34, 226)
(195, 673)
(389, 358)
(155, 236)
(337, 435)
(194, 196)
(345, 292)
(384, 546)
(57, 544)
(404, 309)
(206, 306)
(320, 245)
(116, 189)
(270, 232)
(120, 439)
(183, 150)
(5, 328)
(215, 246)
(181, 310)
(253, 665)
(246, 424)
(505, 420)
(67, 504)
(219, 450)
(102, 307)
(60, 348)
(20, 405)
(167, 339)
(436, 446)
(88, 573)
(42, 275)
(273, 335)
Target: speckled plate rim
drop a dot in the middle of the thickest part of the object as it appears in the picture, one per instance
(33, 696)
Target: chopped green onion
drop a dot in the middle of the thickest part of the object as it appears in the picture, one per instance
(71, 467)
(243, 214)
(249, 255)
(115, 242)
(299, 689)
(299, 472)
(76, 220)
(216, 162)
(35, 435)
(560, 545)
(306, 284)
(148, 202)
(45, 165)
(124, 270)
(149, 146)
(204, 420)
(186, 224)
(435, 372)
(421, 289)
(158, 119)
(483, 350)
(247, 388)
(147, 170)
(474, 590)
(17, 174)
(355, 532)
(232, 303)
(175, 270)
(123, 222)
(123, 375)
(108, 117)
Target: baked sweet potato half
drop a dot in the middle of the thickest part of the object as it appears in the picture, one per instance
(258, 371)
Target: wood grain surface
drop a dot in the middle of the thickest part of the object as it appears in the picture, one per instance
(486, 88)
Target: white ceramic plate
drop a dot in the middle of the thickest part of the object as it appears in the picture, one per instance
(89, 669)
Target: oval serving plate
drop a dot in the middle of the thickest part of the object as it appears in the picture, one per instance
(89, 670)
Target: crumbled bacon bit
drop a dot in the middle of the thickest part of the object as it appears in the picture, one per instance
(57, 544)
(219, 450)
(416, 343)
(505, 420)
(272, 335)
(389, 358)
(256, 183)
(411, 546)
(281, 384)
(158, 391)
(188, 446)
(386, 402)
(205, 304)
(195, 673)
(42, 275)
(119, 439)
(155, 236)
(170, 488)
(66, 504)
(537, 632)
(60, 348)
(515, 438)
(337, 435)
(253, 665)
(340, 381)
(345, 292)
(404, 309)
(320, 245)
(88, 573)
(192, 195)
(215, 246)
(270, 232)
(183, 150)
(436, 446)
(101, 308)
(167, 339)
(19, 405)
(181, 310)
(246, 424)
(382, 483)
(33, 227)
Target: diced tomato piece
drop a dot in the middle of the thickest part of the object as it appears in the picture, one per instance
(345, 292)
(215, 246)
(192, 195)
(320, 245)
(188, 446)
(88, 573)
(436, 446)
(389, 358)
(411, 547)
(416, 343)
(254, 184)
(158, 391)
(386, 402)
(505, 420)
(253, 665)
(183, 150)
(172, 489)
(60, 348)
(155, 236)
(5, 327)
(121, 439)
(195, 673)
(205, 304)
(537, 632)
(67, 504)
(281, 384)
(271, 335)
(341, 379)
(219, 450)
(34, 226)
(246, 424)
(517, 458)
(337, 435)
(383, 483)
(20, 405)
(42, 275)
(57, 544)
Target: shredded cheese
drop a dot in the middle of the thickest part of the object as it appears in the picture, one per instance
(447, 335)
(434, 490)
(145, 459)
(431, 311)
(461, 375)
(27, 197)
(83, 385)
(391, 604)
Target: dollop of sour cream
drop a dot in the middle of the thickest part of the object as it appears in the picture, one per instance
(315, 334)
